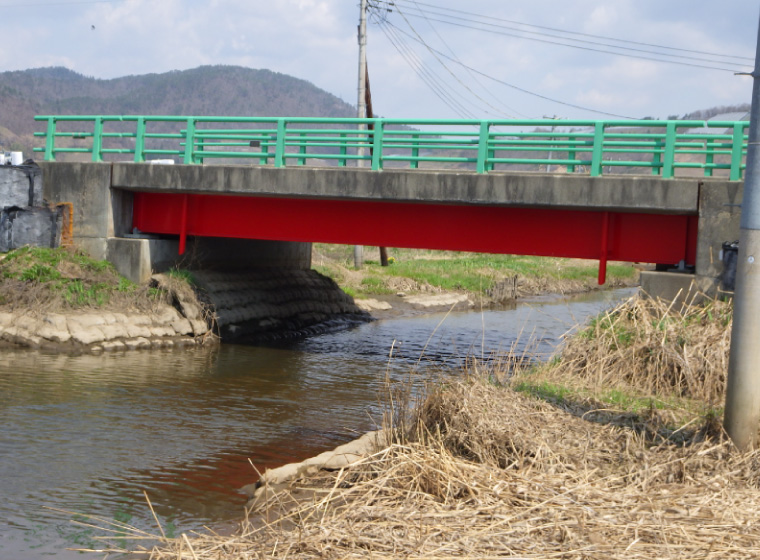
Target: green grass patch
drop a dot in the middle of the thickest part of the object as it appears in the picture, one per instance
(611, 399)
(375, 285)
(71, 277)
(455, 271)
(181, 274)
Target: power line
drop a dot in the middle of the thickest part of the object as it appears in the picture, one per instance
(427, 76)
(441, 62)
(491, 18)
(580, 47)
(472, 75)
(502, 82)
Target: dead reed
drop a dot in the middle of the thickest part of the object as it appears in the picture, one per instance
(482, 471)
(654, 347)
(490, 473)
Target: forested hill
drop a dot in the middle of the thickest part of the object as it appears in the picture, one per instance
(208, 90)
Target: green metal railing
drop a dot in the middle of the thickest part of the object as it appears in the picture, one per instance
(577, 146)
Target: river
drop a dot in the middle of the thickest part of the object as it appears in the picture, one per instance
(88, 434)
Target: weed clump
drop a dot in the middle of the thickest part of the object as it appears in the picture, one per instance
(655, 347)
(43, 279)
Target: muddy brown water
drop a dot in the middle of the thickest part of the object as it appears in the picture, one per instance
(89, 434)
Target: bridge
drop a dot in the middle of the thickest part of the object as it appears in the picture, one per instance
(662, 192)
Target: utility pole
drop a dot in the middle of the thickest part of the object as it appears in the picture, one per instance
(742, 417)
(361, 105)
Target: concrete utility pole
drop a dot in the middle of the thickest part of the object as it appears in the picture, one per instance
(742, 417)
(361, 104)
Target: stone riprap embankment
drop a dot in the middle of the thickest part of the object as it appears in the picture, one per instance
(260, 306)
(102, 331)
(270, 305)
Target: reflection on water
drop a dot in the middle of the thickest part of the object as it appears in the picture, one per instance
(90, 433)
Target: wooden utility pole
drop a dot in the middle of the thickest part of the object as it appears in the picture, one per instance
(370, 115)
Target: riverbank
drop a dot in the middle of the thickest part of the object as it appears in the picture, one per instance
(612, 450)
(422, 281)
(62, 300)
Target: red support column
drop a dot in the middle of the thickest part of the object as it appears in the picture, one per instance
(603, 252)
(183, 225)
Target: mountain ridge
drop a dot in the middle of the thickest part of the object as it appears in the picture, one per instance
(219, 90)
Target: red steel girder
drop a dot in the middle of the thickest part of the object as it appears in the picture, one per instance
(598, 235)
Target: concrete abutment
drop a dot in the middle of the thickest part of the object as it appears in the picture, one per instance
(102, 222)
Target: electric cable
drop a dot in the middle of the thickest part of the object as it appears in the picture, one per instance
(433, 52)
(512, 86)
(427, 76)
(564, 31)
(475, 78)
(735, 68)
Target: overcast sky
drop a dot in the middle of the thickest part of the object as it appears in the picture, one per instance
(462, 54)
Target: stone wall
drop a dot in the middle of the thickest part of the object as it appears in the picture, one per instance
(96, 331)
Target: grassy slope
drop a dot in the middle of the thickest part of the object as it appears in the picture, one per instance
(40, 279)
(421, 270)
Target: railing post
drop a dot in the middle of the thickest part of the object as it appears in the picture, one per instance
(377, 146)
(198, 158)
(343, 150)
(279, 152)
(657, 157)
(50, 140)
(263, 160)
(597, 150)
(709, 158)
(482, 165)
(189, 141)
(415, 163)
(571, 153)
(668, 165)
(97, 140)
(302, 148)
(737, 151)
(140, 140)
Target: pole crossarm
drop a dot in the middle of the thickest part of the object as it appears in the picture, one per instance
(481, 146)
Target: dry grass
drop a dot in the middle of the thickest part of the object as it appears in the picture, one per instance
(483, 471)
(651, 347)
(492, 473)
